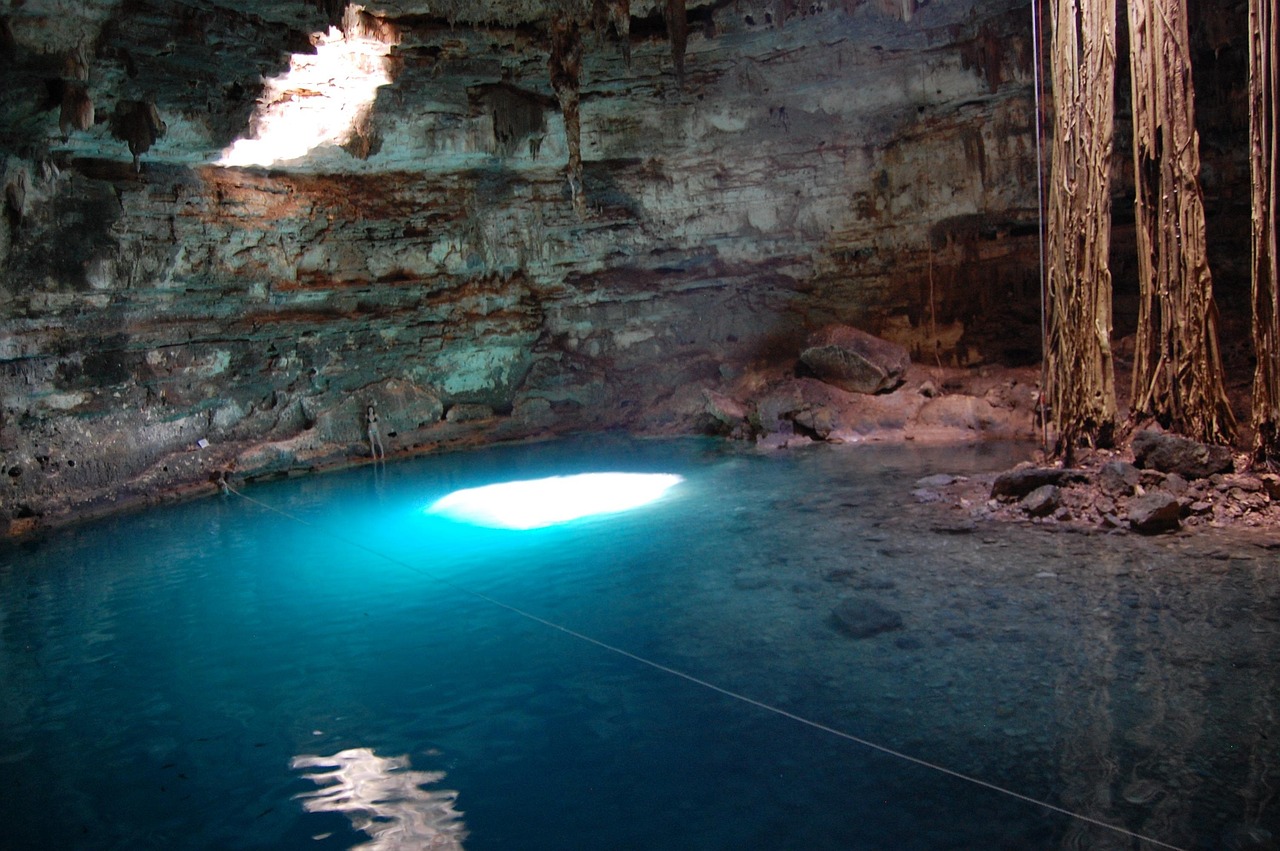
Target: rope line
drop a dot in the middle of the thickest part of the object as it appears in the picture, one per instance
(1037, 60)
(690, 678)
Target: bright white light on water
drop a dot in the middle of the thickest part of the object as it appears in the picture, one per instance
(319, 101)
(384, 798)
(537, 503)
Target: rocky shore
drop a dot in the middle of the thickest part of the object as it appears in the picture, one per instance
(1158, 483)
(1154, 483)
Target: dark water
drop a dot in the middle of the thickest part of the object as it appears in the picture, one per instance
(217, 675)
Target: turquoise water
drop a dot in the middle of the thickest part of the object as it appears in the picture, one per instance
(220, 675)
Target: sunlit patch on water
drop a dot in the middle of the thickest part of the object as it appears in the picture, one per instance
(385, 799)
(538, 503)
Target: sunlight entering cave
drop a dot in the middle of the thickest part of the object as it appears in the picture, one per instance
(321, 100)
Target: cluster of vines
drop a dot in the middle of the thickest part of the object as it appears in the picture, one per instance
(1081, 388)
(1264, 130)
(1177, 370)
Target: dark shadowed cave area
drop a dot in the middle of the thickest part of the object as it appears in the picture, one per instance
(211, 310)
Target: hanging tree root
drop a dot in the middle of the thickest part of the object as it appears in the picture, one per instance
(1177, 372)
(1078, 363)
(1264, 136)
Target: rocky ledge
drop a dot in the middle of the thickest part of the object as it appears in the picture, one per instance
(776, 407)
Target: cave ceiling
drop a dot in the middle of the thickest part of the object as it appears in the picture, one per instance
(207, 65)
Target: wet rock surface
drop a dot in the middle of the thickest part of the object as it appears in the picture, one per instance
(1022, 481)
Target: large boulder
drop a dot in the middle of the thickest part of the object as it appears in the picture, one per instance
(854, 360)
(1168, 453)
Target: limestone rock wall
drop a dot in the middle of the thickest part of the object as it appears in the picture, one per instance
(862, 163)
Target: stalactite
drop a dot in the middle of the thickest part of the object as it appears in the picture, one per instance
(615, 13)
(8, 44)
(15, 198)
(1264, 138)
(517, 115)
(986, 55)
(901, 9)
(1079, 369)
(565, 66)
(76, 64)
(677, 21)
(333, 10)
(1177, 368)
(76, 112)
(138, 123)
(785, 9)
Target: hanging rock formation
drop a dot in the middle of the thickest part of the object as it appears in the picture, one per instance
(614, 14)
(76, 110)
(565, 68)
(138, 123)
(676, 18)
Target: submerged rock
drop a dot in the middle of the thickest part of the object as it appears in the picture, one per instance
(1249, 837)
(938, 480)
(1143, 791)
(858, 617)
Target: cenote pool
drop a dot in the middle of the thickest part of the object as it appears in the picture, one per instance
(323, 663)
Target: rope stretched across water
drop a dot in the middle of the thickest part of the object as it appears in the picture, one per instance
(690, 678)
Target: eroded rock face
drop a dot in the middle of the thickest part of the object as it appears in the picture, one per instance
(160, 326)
